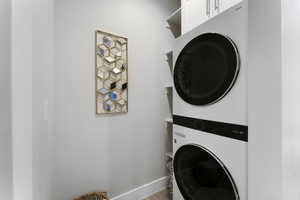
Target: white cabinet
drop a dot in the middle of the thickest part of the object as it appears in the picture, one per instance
(196, 12)
(225, 4)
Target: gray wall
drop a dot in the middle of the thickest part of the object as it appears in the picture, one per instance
(5, 111)
(113, 152)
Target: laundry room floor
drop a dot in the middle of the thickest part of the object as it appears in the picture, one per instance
(163, 195)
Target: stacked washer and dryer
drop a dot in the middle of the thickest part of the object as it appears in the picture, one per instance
(210, 130)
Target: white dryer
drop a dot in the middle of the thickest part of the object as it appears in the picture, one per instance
(207, 165)
(210, 69)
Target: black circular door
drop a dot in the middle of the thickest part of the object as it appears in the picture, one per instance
(201, 176)
(206, 69)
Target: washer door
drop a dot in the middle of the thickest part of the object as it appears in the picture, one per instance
(206, 69)
(200, 175)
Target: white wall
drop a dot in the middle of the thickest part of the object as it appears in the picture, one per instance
(274, 98)
(113, 152)
(5, 110)
(22, 98)
(32, 96)
(265, 100)
(291, 99)
(32, 85)
(42, 97)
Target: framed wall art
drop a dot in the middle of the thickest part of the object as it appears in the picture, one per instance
(111, 73)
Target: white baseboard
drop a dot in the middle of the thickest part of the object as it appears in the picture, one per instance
(144, 191)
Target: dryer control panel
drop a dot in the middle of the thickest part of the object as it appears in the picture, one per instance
(234, 131)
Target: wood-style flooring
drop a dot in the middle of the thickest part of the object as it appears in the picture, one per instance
(163, 195)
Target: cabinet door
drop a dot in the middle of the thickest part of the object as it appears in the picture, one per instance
(225, 4)
(184, 16)
(215, 7)
(194, 13)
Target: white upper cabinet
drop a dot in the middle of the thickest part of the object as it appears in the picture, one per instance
(193, 13)
(196, 12)
(225, 4)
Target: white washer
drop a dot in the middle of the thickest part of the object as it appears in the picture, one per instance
(209, 166)
(210, 69)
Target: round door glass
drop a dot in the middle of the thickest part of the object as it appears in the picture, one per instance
(206, 69)
(201, 176)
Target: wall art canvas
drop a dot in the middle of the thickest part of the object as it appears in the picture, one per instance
(111, 73)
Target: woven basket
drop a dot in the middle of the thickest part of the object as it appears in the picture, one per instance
(94, 196)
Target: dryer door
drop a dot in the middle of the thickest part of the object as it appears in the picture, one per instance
(206, 69)
(201, 175)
